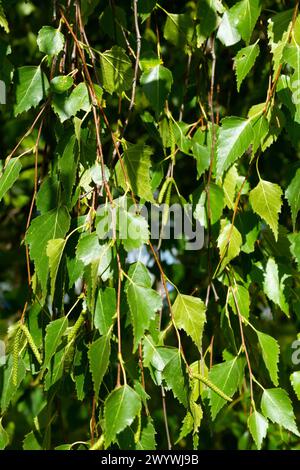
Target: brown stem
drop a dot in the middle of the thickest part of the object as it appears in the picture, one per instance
(212, 156)
(163, 396)
(27, 133)
(278, 72)
(33, 197)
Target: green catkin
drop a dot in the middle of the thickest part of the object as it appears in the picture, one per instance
(163, 190)
(212, 386)
(166, 208)
(74, 330)
(16, 349)
(137, 435)
(166, 211)
(172, 137)
(32, 343)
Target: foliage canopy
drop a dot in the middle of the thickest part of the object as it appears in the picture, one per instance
(123, 340)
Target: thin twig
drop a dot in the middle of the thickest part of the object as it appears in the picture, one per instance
(278, 72)
(212, 157)
(33, 197)
(136, 71)
(27, 133)
(243, 341)
(163, 396)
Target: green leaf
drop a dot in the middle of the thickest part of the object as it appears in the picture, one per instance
(66, 106)
(292, 194)
(3, 20)
(270, 351)
(244, 61)
(260, 126)
(187, 427)
(81, 374)
(33, 441)
(50, 40)
(4, 437)
(248, 225)
(116, 70)
(136, 162)
(276, 405)
(176, 380)
(67, 164)
(140, 274)
(202, 155)
(197, 415)
(132, 227)
(51, 225)
(295, 381)
(216, 195)
(294, 238)
(228, 377)
(178, 133)
(258, 426)
(54, 252)
(10, 175)
(274, 288)
(229, 242)
(105, 310)
(147, 439)
(32, 87)
(61, 83)
(291, 54)
(242, 297)
(145, 8)
(56, 369)
(235, 137)
(90, 252)
(7, 386)
(189, 315)
(208, 19)
(48, 196)
(265, 200)
(143, 301)
(54, 333)
(227, 32)
(229, 186)
(244, 16)
(99, 354)
(179, 29)
(156, 84)
(120, 408)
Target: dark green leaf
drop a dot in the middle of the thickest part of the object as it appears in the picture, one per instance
(50, 40)
(9, 176)
(228, 377)
(105, 311)
(116, 70)
(32, 87)
(51, 225)
(270, 351)
(120, 408)
(136, 163)
(54, 333)
(176, 380)
(99, 353)
(156, 84)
